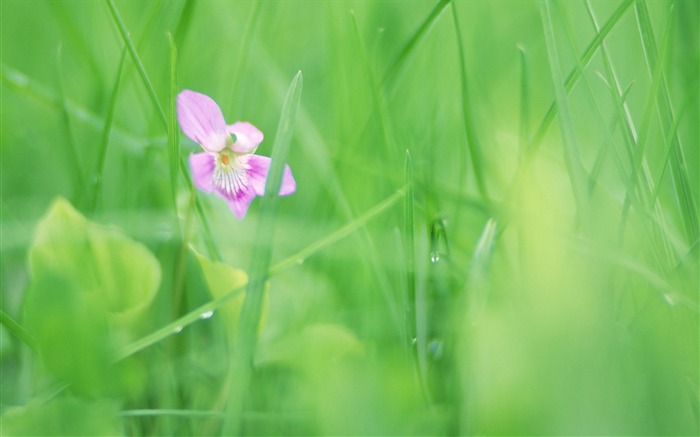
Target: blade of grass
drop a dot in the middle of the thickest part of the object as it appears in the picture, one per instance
(478, 284)
(377, 96)
(576, 73)
(104, 142)
(391, 76)
(241, 364)
(16, 329)
(209, 241)
(575, 169)
(183, 23)
(410, 258)
(243, 57)
(178, 325)
(679, 168)
(71, 146)
(137, 61)
(669, 147)
(173, 130)
(474, 145)
(524, 131)
(638, 192)
(32, 89)
(315, 151)
(166, 412)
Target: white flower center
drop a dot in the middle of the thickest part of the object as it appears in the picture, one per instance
(229, 176)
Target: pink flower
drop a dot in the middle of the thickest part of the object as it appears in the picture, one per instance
(226, 167)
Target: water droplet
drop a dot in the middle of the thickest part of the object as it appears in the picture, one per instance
(434, 256)
(414, 341)
(300, 261)
(670, 299)
(207, 314)
(435, 349)
(177, 330)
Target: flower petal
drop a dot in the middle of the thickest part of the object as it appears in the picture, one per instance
(258, 167)
(201, 120)
(202, 166)
(248, 137)
(239, 201)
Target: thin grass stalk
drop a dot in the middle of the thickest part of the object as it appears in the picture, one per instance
(474, 145)
(380, 106)
(576, 73)
(638, 193)
(71, 146)
(409, 259)
(137, 61)
(244, 52)
(241, 364)
(524, 128)
(104, 141)
(209, 241)
(575, 169)
(16, 329)
(679, 168)
(173, 129)
(390, 79)
(178, 325)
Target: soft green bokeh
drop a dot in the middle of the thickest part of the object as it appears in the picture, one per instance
(536, 312)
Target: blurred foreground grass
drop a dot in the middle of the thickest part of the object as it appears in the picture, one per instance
(495, 229)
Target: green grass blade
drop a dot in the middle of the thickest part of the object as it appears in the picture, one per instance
(69, 141)
(575, 169)
(397, 66)
(341, 233)
(183, 22)
(378, 99)
(410, 256)
(524, 131)
(173, 128)
(104, 141)
(478, 281)
(213, 251)
(576, 73)
(137, 61)
(33, 90)
(246, 337)
(474, 145)
(243, 57)
(669, 147)
(166, 412)
(16, 329)
(178, 325)
(679, 169)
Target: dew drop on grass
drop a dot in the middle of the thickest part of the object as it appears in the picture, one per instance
(177, 330)
(670, 299)
(207, 314)
(434, 256)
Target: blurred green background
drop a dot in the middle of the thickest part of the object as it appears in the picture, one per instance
(533, 270)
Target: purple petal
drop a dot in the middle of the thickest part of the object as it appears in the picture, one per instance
(238, 202)
(258, 167)
(201, 120)
(248, 137)
(202, 166)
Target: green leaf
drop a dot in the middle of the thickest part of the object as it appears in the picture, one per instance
(89, 286)
(221, 279)
(96, 259)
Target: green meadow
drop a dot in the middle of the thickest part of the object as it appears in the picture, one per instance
(495, 229)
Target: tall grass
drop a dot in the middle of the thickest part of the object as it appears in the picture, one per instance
(495, 229)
